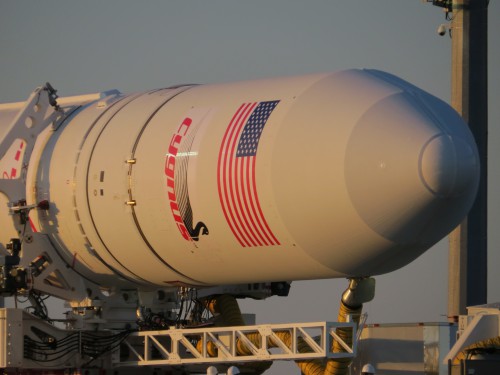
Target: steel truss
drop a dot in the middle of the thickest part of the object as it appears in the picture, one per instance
(277, 342)
(188, 348)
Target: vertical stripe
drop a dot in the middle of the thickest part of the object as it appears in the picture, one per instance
(232, 176)
(222, 173)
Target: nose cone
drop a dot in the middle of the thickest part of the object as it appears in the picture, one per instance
(448, 165)
(411, 168)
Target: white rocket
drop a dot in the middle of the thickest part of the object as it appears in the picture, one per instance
(348, 174)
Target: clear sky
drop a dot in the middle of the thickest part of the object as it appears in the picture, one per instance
(89, 46)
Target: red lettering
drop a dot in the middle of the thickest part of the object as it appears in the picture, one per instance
(175, 211)
(178, 220)
(184, 231)
(171, 191)
(176, 140)
(186, 123)
(170, 167)
(169, 171)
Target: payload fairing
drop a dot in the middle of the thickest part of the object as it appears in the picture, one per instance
(348, 174)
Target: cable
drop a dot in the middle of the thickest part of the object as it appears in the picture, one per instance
(108, 349)
(38, 307)
(84, 343)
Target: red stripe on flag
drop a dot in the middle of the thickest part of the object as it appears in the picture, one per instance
(246, 195)
(251, 200)
(261, 214)
(233, 176)
(222, 173)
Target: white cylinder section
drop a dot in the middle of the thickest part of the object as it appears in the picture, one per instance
(282, 179)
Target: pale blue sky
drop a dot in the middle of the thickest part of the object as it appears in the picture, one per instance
(89, 46)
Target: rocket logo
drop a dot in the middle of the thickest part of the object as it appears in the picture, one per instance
(236, 181)
(176, 171)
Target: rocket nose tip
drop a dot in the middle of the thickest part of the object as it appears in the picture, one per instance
(447, 165)
(411, 169)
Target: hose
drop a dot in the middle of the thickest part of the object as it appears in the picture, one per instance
(227, 312)
(359, 291)
(226, 306)
(340, 366)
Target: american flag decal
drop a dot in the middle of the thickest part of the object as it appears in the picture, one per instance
(236, 175)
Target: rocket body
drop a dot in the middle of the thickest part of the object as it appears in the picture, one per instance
(347, 174)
